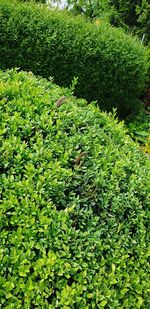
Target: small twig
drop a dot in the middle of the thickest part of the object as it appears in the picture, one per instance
(78, 159)
(61, 101)
(143, 36)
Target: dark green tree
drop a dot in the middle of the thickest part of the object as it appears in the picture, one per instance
(132, 15)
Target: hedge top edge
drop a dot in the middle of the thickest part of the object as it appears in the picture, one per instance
(110, 65)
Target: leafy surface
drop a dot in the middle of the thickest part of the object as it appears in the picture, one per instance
(74, 228)
(110, 66)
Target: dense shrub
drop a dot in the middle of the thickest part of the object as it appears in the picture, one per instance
(74, 228)
(110, 65)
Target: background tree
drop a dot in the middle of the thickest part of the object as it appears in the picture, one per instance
(132, 15)
(90, 8)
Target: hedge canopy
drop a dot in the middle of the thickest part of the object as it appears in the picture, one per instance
(74, 202)
(110, 65)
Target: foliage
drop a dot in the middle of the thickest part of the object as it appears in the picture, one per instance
(146, 147)
(139, 128)
(110, 65)
(148, 74)
(91, 9)
(41, 1)
(132, 15)
(73, 235)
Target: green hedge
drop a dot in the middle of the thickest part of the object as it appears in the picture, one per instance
(110, 65)
(74, 228)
